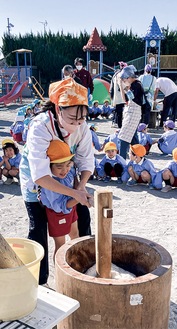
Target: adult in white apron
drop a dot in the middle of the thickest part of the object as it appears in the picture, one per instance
(132, 111)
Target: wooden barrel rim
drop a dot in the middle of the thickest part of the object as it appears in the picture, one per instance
(166, 262)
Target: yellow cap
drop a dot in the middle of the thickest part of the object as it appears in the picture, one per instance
(7, 141)
(110, 146)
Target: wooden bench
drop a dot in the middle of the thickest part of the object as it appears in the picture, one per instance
(52, 307)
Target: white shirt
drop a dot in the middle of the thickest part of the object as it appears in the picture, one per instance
(166, 85)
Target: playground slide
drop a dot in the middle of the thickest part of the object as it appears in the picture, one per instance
(10, 92)
(17, 92)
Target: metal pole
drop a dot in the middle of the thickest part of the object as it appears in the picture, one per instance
(88, 59)
(25, 65)
(30, 65)
(17, 59)
(145, 59)
(101, 62)
(8, 26)
(158, 61)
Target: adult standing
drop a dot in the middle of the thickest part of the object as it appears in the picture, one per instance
(148, 82)
(63, 117)
(82, 211)
(132, 112)
(116, 96)
(169, 89)
(68, 72)
(84, 76)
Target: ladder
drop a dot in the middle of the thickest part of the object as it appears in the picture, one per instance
(35, 85)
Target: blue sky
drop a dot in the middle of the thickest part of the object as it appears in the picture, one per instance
(75, 16)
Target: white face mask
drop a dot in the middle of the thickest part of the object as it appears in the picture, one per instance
(66, 77)
(68, 127)
(79, 67)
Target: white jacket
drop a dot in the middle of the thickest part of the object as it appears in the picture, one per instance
(35, 163)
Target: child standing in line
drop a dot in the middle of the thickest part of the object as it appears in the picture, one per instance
(169, 174)
(106, 109)
(144, 138)
(139, 170)
(9, 163)
(60, 209)
(112, 164)
(168, 141)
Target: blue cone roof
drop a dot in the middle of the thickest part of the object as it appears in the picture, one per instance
(154, 31)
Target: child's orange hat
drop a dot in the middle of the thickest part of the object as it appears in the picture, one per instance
(174, 153)
(138, 150)
(110, 146)
(68, 93)
(59, 152)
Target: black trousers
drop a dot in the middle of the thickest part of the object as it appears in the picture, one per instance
(38, 230)
(113, 171)
(83, 220)
(118, 114)
(146, 112)
(170, 102)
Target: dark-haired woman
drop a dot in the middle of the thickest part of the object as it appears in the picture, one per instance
(63, 117)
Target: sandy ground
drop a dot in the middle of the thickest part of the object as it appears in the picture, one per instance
(137, 210)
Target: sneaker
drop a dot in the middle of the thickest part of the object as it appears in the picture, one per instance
(131, 182)
(119, 180)
(99, 178)
(167, 188)
(106, 179)
(9, 181)
(1, 182)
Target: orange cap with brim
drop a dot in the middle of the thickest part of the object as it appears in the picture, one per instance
(174, 153)
(59, 152)
(110, 146)
(7, 141)
(68, 93)
(138, 150)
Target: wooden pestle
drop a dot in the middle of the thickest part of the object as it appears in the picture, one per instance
(8, 257)
(103, 232)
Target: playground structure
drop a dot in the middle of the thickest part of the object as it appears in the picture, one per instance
(15, 93)
(101, 90)
(163, 65)
(11, 87)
